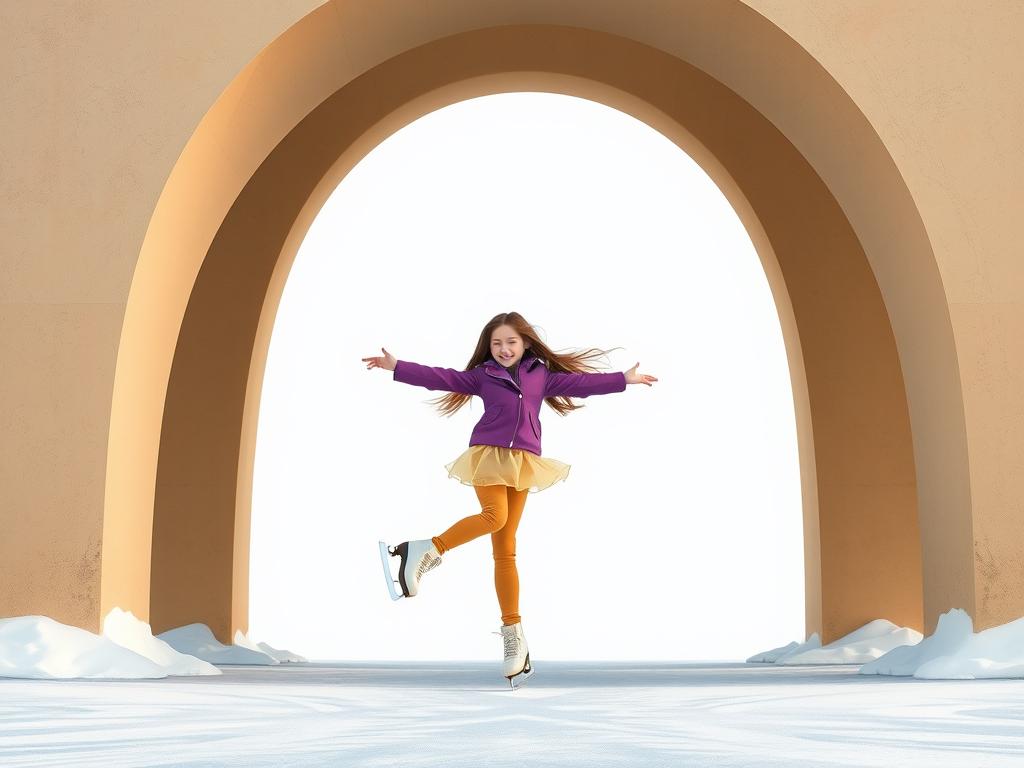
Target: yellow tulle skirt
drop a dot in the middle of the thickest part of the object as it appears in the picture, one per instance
(497, 465)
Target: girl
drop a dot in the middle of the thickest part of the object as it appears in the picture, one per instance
(513, 372)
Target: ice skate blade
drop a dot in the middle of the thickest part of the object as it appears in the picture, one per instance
(384, 555)
(517, 680)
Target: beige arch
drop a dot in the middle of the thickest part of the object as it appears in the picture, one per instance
(238, 202)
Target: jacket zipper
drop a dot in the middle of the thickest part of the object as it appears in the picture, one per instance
(519, 413)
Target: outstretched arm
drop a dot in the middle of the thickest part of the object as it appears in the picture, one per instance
(435, 377)
(448, 379)
(563, 384)
(585, 384)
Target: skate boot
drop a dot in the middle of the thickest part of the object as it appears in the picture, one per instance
(417, 557)
(517, 655)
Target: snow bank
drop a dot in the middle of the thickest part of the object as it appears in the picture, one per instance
(197, 640)
(126, 630)
(955, 652)
(789, 649)
(862, 645)
(243, 640)
(40, 647)
(952, 631)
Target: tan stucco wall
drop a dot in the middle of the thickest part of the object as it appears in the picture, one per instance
(939, 83)
(101, 98)
(103, 109)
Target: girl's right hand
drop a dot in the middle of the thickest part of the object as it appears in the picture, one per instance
(387, 362)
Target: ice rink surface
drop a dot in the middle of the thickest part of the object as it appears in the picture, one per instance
(464, 713)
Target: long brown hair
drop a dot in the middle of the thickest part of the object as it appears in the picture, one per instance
(568, 363)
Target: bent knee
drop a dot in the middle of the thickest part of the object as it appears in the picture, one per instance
(496, 518)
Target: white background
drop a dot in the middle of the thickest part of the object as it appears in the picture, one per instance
(677, 534)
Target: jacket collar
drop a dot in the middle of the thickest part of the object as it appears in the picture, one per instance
(493, 367)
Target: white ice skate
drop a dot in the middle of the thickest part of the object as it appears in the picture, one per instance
(417, 557)
(517, 666)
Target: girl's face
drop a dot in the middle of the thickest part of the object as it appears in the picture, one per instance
(507, 346)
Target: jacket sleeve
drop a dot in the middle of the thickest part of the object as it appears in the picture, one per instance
(435, 377)
(559, 383)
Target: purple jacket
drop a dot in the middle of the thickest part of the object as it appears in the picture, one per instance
(511, 415)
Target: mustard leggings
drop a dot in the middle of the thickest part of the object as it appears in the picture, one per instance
(501, 510)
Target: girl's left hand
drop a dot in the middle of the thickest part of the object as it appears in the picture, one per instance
(632, 377)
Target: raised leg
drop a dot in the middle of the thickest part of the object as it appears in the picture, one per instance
(492, 516)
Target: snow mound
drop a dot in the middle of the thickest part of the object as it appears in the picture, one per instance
(955, 652)
(775, 654)
(197, 640)
(41, 647)
(862, 645)
(285, 656)
(134, 634)
(953, 629)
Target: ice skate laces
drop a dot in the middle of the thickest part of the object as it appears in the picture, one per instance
(511, 641)
(428, 562)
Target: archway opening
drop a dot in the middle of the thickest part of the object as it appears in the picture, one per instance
(682, 514)
(226, 231)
